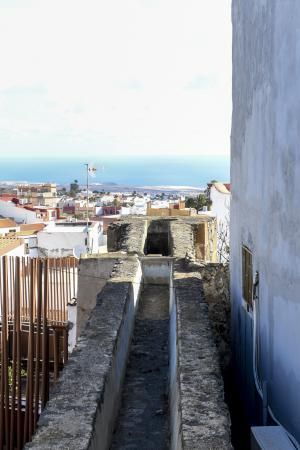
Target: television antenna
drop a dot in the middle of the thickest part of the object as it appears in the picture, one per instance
(90, 172)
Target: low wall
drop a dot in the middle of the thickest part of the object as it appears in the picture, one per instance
(215, 282)
(174, 381)
(127, 236)
(93, 274)
(199, 417)
(156, 270)
(83, 405)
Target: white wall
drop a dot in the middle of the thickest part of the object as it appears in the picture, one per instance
(156, 270)
(265, 207)
(96, 236)
(60, 243)
(32, 243)
(18, 251)
(20, 215)
(221, 209)
(57, 242)
(220, 205)
(4, 231)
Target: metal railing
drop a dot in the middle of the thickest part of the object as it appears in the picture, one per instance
(34, 294)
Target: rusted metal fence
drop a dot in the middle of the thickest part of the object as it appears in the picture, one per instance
(34, 294)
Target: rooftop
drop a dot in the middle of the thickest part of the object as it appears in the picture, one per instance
(32, 227)
(7, 223)
(9, 243)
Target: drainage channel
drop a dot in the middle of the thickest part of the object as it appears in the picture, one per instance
(143, 417)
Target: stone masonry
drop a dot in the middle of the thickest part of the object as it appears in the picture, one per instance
(82, 411)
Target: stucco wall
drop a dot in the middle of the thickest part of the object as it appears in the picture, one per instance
(58, 244)
(18, 251)
(265, 208)
(220, 204)
(20, 215)
(156, 270)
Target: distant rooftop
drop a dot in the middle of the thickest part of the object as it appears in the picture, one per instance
(67, 227)
(8, 244)
(224, 188)
(7, 223)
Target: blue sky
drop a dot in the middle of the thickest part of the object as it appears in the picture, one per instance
(147, 77)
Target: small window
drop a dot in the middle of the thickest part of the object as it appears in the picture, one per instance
(247, 276)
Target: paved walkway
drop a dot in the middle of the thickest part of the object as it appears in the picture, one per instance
(143, 418)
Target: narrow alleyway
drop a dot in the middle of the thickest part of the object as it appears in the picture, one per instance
(143, 416)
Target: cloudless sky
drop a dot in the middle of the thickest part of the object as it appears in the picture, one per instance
(90, 77)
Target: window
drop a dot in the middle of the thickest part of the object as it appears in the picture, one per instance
(247, 276)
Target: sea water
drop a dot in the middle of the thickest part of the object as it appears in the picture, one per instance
(131, 170)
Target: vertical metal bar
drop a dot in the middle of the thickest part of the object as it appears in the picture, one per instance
(65, 292)
(29, 387)
(60, 290)
(37, 346)
(4, 356)
(56, 291)
(2, 283)
(53, 292)
(74, 281)
(65, 340)
(14, 310)
(45, 352)
(19, 368)
(69, 296)
(49, 303)
(55, 352)
(27, 279)
(4, 346)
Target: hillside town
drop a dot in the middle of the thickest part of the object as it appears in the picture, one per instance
(47, 221)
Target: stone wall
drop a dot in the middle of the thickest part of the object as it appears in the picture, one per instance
(127, 236)
(215, 283)
(93, 274)
(182, 240)
(84, 402)
(199, 395)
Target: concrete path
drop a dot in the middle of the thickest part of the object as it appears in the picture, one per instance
(143, 418)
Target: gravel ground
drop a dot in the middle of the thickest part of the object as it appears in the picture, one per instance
(143, 418)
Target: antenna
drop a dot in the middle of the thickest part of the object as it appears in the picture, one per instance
(90, 171)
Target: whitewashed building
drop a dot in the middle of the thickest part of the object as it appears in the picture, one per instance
(265, 210)
(219, 196)
(11, 246)
(8, 226)
(70, 239)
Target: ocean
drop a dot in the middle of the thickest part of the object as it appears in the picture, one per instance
(132, 170)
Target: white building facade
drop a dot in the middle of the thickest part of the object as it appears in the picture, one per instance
(265, 207)
(219, 195)
(70, 239)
